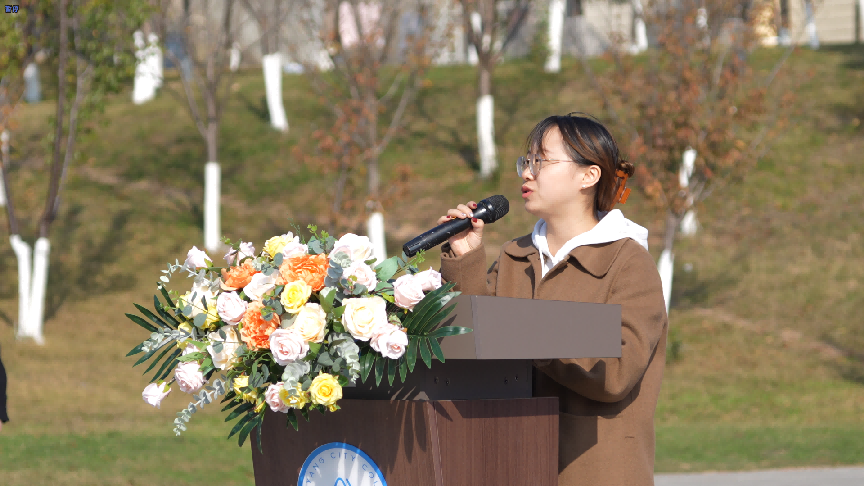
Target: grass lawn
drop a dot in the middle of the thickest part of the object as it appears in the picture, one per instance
(770, 370)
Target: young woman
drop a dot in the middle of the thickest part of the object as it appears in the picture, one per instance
(581, 250)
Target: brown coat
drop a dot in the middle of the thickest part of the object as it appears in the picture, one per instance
(606, 428)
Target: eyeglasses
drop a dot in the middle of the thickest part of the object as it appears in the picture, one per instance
(534, 163)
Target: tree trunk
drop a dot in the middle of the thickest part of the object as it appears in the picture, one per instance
(23, 255)
(375, 223)
(666, 263)
(4, 162)
(144, 87)
(272, 64)
(36, 316)
(809, 10)
(486, 123)
(212, 180)
(556, 35)
(640, 35)
(375, 230)
(689, 224)
(32, 89)
(476, 25)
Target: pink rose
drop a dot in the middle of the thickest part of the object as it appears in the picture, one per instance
(273, 398)
(230, 307)
(429, 279)
(294, 249)
(233, 256)
(389, 340)
(154, 393)
(196, 259)
(288, 346)
(364, 273)
(358, 248)
(189, 378)
(408, 291)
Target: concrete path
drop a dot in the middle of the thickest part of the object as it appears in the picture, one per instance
(841, 476)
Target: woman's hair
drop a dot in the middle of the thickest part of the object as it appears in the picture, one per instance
(588, 143)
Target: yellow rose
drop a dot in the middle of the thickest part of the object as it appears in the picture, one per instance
(243, 381)
(325, 390)
(295, 295)
(311, 323)
(294, 398)
(277, 243)
(363, 314)
(212, 316)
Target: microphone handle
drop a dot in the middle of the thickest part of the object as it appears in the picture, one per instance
(436, 236)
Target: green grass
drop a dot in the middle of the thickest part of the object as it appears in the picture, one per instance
(764, 318)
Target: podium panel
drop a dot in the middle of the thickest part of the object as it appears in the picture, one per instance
(424, 443)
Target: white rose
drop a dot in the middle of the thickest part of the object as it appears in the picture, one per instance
(233, 256)
(362, 314)
(294, 249)
(358, 248)
(154, 393)
(230, 307)
(429, 280)
(189, 378)
(311, 323)
(273, 398)
(196, 259)
(288, 346)
(407, 291)
(259, 285)
(224, 359)
(389, 340)
(364, 273)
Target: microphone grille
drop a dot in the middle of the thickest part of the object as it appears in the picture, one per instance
(500, 206)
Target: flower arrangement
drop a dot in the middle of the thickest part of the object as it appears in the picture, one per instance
(289, 327)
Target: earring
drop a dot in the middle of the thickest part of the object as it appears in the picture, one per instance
(584, 186)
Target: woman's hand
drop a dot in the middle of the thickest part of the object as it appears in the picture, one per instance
(469, 239)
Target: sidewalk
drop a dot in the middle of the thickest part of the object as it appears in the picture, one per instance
(841, 476)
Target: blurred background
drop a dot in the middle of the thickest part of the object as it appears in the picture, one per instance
(133, 130)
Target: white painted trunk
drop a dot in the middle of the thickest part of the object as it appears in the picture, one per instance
(2, 190)
(689, 223)
(4, 150)
(375, 230)
(32, 87)
(212, 231)
(687, 162)
(556, 35)
(861, 19)
(154, 59)
(22, 254)
(811, 24)
(144, 88)
(664, 267)
(273, 87)
(477, 25)
(234, 58)
(486, 135)
(640, 33)
(36, 316)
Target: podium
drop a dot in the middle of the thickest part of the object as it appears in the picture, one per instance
(469, 421)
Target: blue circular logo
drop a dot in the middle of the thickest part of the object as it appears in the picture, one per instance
(339, 464)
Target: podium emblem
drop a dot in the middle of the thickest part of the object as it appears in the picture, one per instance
(340, 464)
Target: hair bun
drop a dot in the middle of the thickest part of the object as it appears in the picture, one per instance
(626, 167)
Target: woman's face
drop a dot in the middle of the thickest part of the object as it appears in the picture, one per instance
(557, 189)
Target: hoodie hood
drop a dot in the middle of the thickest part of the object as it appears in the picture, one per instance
(613, 226)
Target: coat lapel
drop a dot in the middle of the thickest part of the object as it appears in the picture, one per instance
(596, 259)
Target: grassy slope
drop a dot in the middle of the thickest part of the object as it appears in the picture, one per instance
(776, 273)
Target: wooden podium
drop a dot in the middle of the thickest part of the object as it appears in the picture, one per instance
(469, 421)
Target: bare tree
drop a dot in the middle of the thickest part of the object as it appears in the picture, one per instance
(693, 96)
(266, 13)
(380, 52)
(490, 26)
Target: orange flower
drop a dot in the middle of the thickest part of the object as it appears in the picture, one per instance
(309, 268)
(239, 276)
(254, 330)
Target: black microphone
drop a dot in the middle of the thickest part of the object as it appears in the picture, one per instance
(489, 210)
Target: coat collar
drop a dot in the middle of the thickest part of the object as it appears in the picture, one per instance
(597, 259)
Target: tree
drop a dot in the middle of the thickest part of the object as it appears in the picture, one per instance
(265, 13)
(490, 26)
(91, 42)
(696, 94)
(380, 53)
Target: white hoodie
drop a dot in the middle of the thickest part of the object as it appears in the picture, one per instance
(613, 226)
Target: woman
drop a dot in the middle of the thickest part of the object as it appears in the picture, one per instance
(581, 250)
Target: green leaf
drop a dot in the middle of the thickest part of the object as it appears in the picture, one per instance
(424, 352)
(379, 369)
(151, 316)
(386, 269)
(434, 320)
(431, 314)
(231, 404)
(436, 349)
(240, 423)
(142, 322)
(229, 396)
(136, 350)
(200, 319)
(165, 314)
(420, 310)
(411, 352)
(305, 413)
(244, 432)
(258, 432)
(192, 357)
(292, 419)
(403, 369)
(169, 364)
(239, 410)
(165, 295)
(391, 370)
(325, 359)
(150, 354)
(327, 301)
(366, 362)
(156, 361)
(450, 331)
(278, 259)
